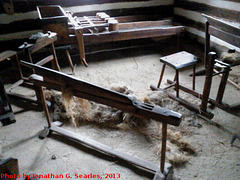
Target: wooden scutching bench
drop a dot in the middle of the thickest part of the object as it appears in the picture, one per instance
(52, 79)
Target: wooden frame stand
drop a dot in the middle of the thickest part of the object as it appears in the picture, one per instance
(230, 34)
(56, 80)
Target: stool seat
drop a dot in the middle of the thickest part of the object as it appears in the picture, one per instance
(179, 60)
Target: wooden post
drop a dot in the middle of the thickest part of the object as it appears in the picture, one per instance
(208, 80)
(164, 146)
(207, 43)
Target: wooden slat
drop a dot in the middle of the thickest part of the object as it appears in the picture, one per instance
(144, 24)
(45, 60)
(39, 45)
(225, 36)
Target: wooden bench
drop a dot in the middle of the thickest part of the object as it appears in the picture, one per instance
(101, 28)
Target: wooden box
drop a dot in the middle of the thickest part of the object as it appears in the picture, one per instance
(53, 18)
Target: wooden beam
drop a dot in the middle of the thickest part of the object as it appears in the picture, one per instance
(133, 34)
(108, 150)
(98, 94)
(225, 36)
(223, 25)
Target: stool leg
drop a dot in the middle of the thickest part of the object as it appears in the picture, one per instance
(177, 83)
(161, 75)
(70, 60)
(194, 70)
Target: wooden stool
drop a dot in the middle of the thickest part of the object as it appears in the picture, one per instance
(178, 61)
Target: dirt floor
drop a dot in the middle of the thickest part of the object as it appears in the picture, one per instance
(137, 69)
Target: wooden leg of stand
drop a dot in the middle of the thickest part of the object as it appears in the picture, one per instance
(19, 67)
(177, 83)
(46, 131)
(161, 75)
(222, 86)
(70, 60)
(194, 77)
(38, 92)
(79, 35)
(45, 107)
(55, 64)
(164, 143)
(208, 81)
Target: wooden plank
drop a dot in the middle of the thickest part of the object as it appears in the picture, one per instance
(45, 60)
(223, 25)
(20, 5)
(18, 26)
(42, 43)
(134, 34)
(138, 109)
(63, 79)
(134, 18)
(160, 11)
(207, 9)
(225, 36)
(7, 54)
(107, 150)
(144, 24)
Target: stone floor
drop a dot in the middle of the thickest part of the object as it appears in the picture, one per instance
(138, 69)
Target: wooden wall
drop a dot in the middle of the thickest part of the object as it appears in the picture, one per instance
(25, 21)
(189, 13)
